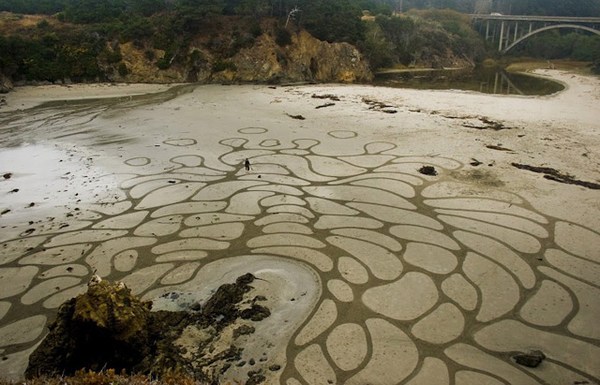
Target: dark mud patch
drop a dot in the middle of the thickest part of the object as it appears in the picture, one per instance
(484, 123)
(498, 148)
(557, 176)
(335, 98)
(376, 105)
(297, 117)
(478, 176)
(324, 105)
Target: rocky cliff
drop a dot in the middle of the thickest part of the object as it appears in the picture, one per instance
(305, 59)
(302, 59)
(222, 49)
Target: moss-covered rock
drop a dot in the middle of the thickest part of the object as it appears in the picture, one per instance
(108, 327)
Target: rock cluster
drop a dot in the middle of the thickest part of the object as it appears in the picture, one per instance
(108, 327)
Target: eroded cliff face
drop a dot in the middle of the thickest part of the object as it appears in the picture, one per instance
(305, 59)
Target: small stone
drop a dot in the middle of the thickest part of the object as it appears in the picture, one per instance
(274, 368)
(27, 232)
(8, 175)
(241, 363)
(251, 362)
(428, 170)
(196, 306)
(532, 359)
(255, 377)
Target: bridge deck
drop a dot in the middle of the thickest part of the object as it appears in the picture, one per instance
(560, 19)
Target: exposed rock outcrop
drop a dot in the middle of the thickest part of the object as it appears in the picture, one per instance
(108, 327)
(305, 59)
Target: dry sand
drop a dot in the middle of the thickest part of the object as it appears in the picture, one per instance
(416, 279)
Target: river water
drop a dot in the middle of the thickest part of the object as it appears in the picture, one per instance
(484, 80)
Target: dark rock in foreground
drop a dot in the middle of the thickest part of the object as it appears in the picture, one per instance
(532, 359)
(108, 327)
(428, 170)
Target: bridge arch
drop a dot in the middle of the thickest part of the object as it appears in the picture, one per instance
(558, 26)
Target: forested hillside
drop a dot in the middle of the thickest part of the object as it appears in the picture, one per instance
(279, 7)
(258, 40)
(224, 40)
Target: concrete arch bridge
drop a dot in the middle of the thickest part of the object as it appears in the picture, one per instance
(508, 31)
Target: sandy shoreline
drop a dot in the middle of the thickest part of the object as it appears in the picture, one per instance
(421, 277)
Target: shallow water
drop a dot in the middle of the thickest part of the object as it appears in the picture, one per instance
(484, 80)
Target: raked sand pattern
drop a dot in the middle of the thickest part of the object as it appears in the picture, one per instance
(383, 275)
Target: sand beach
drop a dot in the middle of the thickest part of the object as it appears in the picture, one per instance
(399, 236)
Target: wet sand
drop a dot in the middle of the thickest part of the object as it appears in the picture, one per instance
(22, 98)
(415, 277)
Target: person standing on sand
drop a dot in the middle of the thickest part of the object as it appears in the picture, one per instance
(247, 164)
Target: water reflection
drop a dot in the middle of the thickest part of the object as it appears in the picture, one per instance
(484, 80)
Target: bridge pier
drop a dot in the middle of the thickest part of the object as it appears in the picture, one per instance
(501, 36)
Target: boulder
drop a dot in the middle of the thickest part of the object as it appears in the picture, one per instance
(106, 326)
(532, 359)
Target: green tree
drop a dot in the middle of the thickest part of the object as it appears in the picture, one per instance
(94, 11)
(332, 20)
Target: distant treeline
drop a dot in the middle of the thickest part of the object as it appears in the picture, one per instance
(94, 10)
